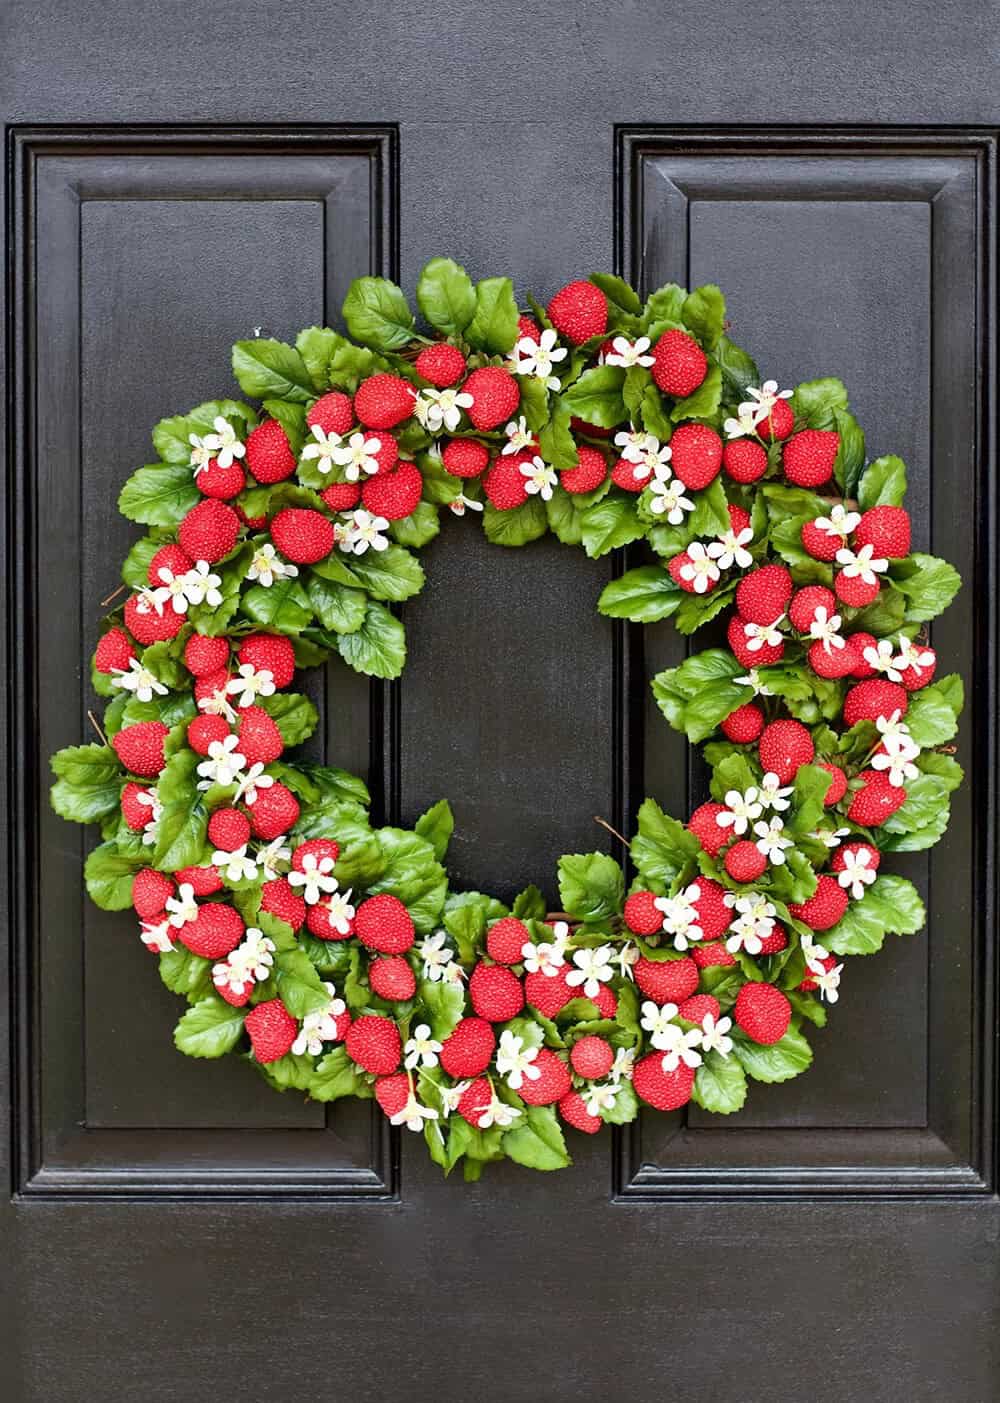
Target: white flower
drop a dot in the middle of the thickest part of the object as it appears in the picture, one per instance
(435, 955)
(753, 679)
(635, 444)
(740, 810)
(357, 456)
(498, 1113)
(249, 962)
(542, 958)
(897, 752)
(858, 872)
(593, 968)
(183, 908)
(730, 548)
(156, 936)
(461, 504)
(323, 449)
(771, 840)
(656, 1018)
(627, 956)
(622, 1067)
(560, 937)
(862, 564)
(840, 522)
(237, 867)
(830, 839)
(825, 628)
(218, 705)
(314, 878)
(274, 858)
(680, 916)
(250, 684)
(202, 451)
(437, 409)
(267, 566)
(224, 763)
(753, 922)
(151, 601)
(339, 912)
(881, 658)
(625, 352)
(714, 1035)
(772, 794)
(539, 478)
(898, 765)
(413, 1114)
(894, 730)
(364, 530)
(741, 426)
(172, 590)
(421, 1050)
(600, 1096)
(138, 679)
(519, 436)
(202, 586)
(537, 358)
(759, 634)
(682, 1048)
(912, 655)
(667, 499)
(227, 445)
(762, 401)
(149, 799)
(669, 1037)
(828, 982)
(451, 1095)
(515, 1061)
(700, 570)
(653, 458)
(247, 785)
(320, 1026)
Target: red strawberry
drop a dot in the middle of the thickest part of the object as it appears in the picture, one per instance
(805, 602)
(779, 423)
(743, 725)
(876, 800)
(838, 783)
(809, 983)
(549, 993)
(695, 454)
(606, 1001)
(204, 881)
(714, 915)
(739, 641)
(714, 953)
(630, 477)
(396, 494)
(495, 396)
(393, 1092)
(170, 558)
(382, 401)
(209, 531)
(552, 1085)
(763, 1012)
(474, 1100)
(203, 730)
(136, 814)
(506, 939)
(228, 830)
(739, 519)
(204, 655)
(574, 1112)
(272, 1030)
(342, 496)
(273, 812)
(442, 364)
(580, 426)
(762, 596)
(808, 457)
(642, 915)
(528, 327)
(384, 924)
(268, 652)
(679, 364)
(918, 675)
(496, 993)
(820, 544)
(590, 471)
(269, 455)
(867, 701)
(302, 535)
(667, 1091)
(374, 1044)
(468, 1049)
(140, 747)
(885, 528)
(698, 1007)
(743, 861)
(387, 453)
(211, 687)
(465, 457)
(216, 931)
(824, 908)
(859, 642)
(319, 924)
(784, 747)
(260, 739)
(504, 484)
(676, 566)
(392, 978)
(114, 650)
(743, 460)
(333, 412)
(832, 662)
(256, 523)
(319, 848)
(774, 943)
(579, 311)
(279, 898)
(666, 981)
(220, 483)
(147, 626)
(838, 862)
(150, 890)
(852, 590)
(592, 1057)
(710, 835)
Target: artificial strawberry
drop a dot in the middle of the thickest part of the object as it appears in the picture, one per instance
(146, 625)
(495, 992)
(805, 602)
(775, 941)
(763, 1012)
(699, 1007)
(506, 939)
(886, 530)
(784, 747)
(215, 931)
(220, 483)
(762, 654)
(383, 401)
(779, 422)
(630, 477)
(140, 747)
(875, 800)
(260, 739)
(467, 1050)
(810, 982)
(762, 596)
(679, 364)
(695, 454)
(505, 484)
(279, 898)
(714, 916)
(204, 731)
(642, 915)
(867, 701)
(326, 924)
(269, 455)
(578, 312)
(374, 1044)
(552, 1085)
(743, 460)
(395, 494)
(820, 543)
(855, 591)
(392, 1092)
(549, 993)
(203, 655)
(592, 1057)
(465, 457)
(684, 572)
(441, 364)
(495, 396)
(590, 471)
(710, 834)
(860, 642)
(666, 1091)
(203, 881)
(342, 496)
(838, 782)
(318, 849)
(269, 652)
(168, 557)
(273, 812)
(302, 535)
(114, 651)
(528, 329)
(392, 978)
(666, 981)
(228, 830)
(135, 812)
(824, 908)
(831, 661)
(150, 890)
(712, 954)
(384, 924)
(272, 1030)
(808, 457)
(475, 1101)
(573, 1110)
(209, 531)
(333, 413)
(744, 862)
(917, 666)
(744, 725)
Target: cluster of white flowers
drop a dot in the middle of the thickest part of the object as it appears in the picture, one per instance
(745, 809)
(224, 446)
(199, 585)
(893, 660)
(753, 922)
(547, 956)
(357, 454)
(321, 1025)
(680, 916)
(827, 981)
(684, 1045)
(251, 961)
(361, 530)
(225, 764)
(538, 358)
(753, 411)
(897, 751)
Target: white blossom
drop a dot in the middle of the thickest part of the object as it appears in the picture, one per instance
(635, 444)
(680, 916)
(218, 705)
(627, 956)
(627, 353)
(173, 590)
(315, 878)
(156, 936)
(236, 865)
(249, 684)
(248, 784)
(357, 456)
(323, 448)
(862, 564)
(761, 403)
(519, 436)
(223, 764)
(340, 912)
(883, 660)
(138, 679)
(840, 522)
(227, 445)
(757, 635)
(441, 409)
(600, 1096)
(461, 504)
(623, 1065)
(828, 982)
(538, 358)
(714, 1035)
(320, 1026)
(421, 1050)
(274, 857)
(773, 794)
(593, 968)
(829, 838)
(540, 479)
(667, 499)
(753, 679)
(825, 628)
(413, 1114)
(740, 810)
(744, 424)
(498, 1113)
(656, 1019)
(183, 907)
(267, 566)
(364, 530)
(753, 923)
(436, 955)
(730, 548)
(202, 451)
(858, 872)
(542, 958)
(912, 655)
(515, 1061)
(202, 586)
(771, 840)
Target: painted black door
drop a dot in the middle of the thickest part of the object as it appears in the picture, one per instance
(179, 175)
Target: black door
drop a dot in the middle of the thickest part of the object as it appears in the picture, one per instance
(179, 175)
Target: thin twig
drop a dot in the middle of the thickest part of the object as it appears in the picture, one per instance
(604, 824)
(113, 596)
(93, 721)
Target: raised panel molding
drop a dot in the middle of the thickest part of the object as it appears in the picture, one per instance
(884, 240)
(152, 223)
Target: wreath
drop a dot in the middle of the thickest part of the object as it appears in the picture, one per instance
(334, 955)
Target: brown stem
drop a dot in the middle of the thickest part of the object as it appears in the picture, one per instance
(113, 596)
(614, 831)
(93, 721)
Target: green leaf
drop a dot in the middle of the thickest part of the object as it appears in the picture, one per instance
(377, 314)
(720, 1084)
(662, 846)
(625, 1108)
(739, 370)
(283, 608)
(161, 494)
(316, 344)
(392, 574)
(808, 795)
(704, 401)
(704, 313)
(299, 985)
(817, 401)
(618, 291)
(413, 874)
(88, 783)
(664, 305)
(930, 584)
(882, 484)
(443, 1003)
(644, 595)
(933, 712)
(339, 608)
(172, 437)
(437, 826)
(294, 715)
(335, 1076)
(210, 1028)
(779, 1062)
(850, 457)
(378, 647)
(597, 396)
(891, 904)
(269, 369)
(536, 1140)
(517, 526)
(446, 296)
(292, 418)
(555, 440)
(186, 973)
(493, 327)
(609, 524)
(109, 875)
(421, 526)
(529, 905)
(591, 886)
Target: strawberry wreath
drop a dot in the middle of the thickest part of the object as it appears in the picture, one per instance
(333, 954)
